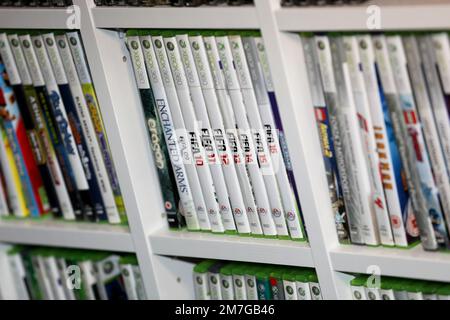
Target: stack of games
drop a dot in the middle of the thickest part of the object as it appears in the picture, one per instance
(389, 288)
(34, 273)
(304, 3)
(54, 154)
(382, 109)
(174, 3)
(219, 280)
(216, 133)
(35, 3)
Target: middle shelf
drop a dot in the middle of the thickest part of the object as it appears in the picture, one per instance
(226, 247)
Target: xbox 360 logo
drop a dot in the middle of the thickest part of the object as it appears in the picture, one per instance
(372, 296)
(73, 41)
(199, 280)
(235, 45)
(260, 47)
(38, 43)
(62, 44)
(170, 46)
(158, 44)
(357, 295)
(195, 45)
(26, 43)
(134, 45)
(225, 284)
(182, 44)
(250, 283)
(378, 45)
(316, 291)
(50, 42)
(220, 46)
(146, 44)
(213, 280)
(301, 292)
(15, 43)
(125, 273)
(386, 297)
(363, 44)
(207, 46)
(238, 283)
(289, 290)
(321, 45)
(108, 267)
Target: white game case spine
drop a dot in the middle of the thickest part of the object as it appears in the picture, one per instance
(433, 146)
(246, 138)
(250, 287)
(290, 290)
(204, 188)
(213, 192)
(66, 133)
(224, 176)
(65, 280)
(240, 290)
(442, 123)
(406, 149)
(386, 166)
(43, 277)
(223, 122)
(227, 287)
(129, 281)
(88, 130)
(54, 278)
(303, 290)
(192, 203)
(9, 179)
(287, 193)
(367, 134)
(253, 114)
(358, 196)
(215, 286)
(201, 287)
(8, 286)
(18, 274)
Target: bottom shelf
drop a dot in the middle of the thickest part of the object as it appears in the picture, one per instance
(234, 248)
(414, 263)
(67, 234)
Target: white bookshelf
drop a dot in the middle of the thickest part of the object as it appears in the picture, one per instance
(67, 234)
(166, 257)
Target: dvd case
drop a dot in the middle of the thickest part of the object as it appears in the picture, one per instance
(158, 146)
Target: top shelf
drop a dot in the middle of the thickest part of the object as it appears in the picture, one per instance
(37, 18)
(394, 15)
(244, 17)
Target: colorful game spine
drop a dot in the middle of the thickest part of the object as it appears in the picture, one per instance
(4, 206)
(407, 151)
(202, 173)
(229, 130)
(58, 109)
(323, 120)
(93, 196)
(248, 145)
(395, 190)
(283, 147)
(344, 155)
(158, 145)
(440, 113)
(253, 115)
(290, 205)
(189, 189)
(415, 135)
(36, 95)
(241, 197)
(16, 198)
(213, 193)
(98, 168)
(16, 134)
(94, 110)
(369, 147)
(432, 145)
(223, 175)
(109, 279)
(41, 180)
(47, 113)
